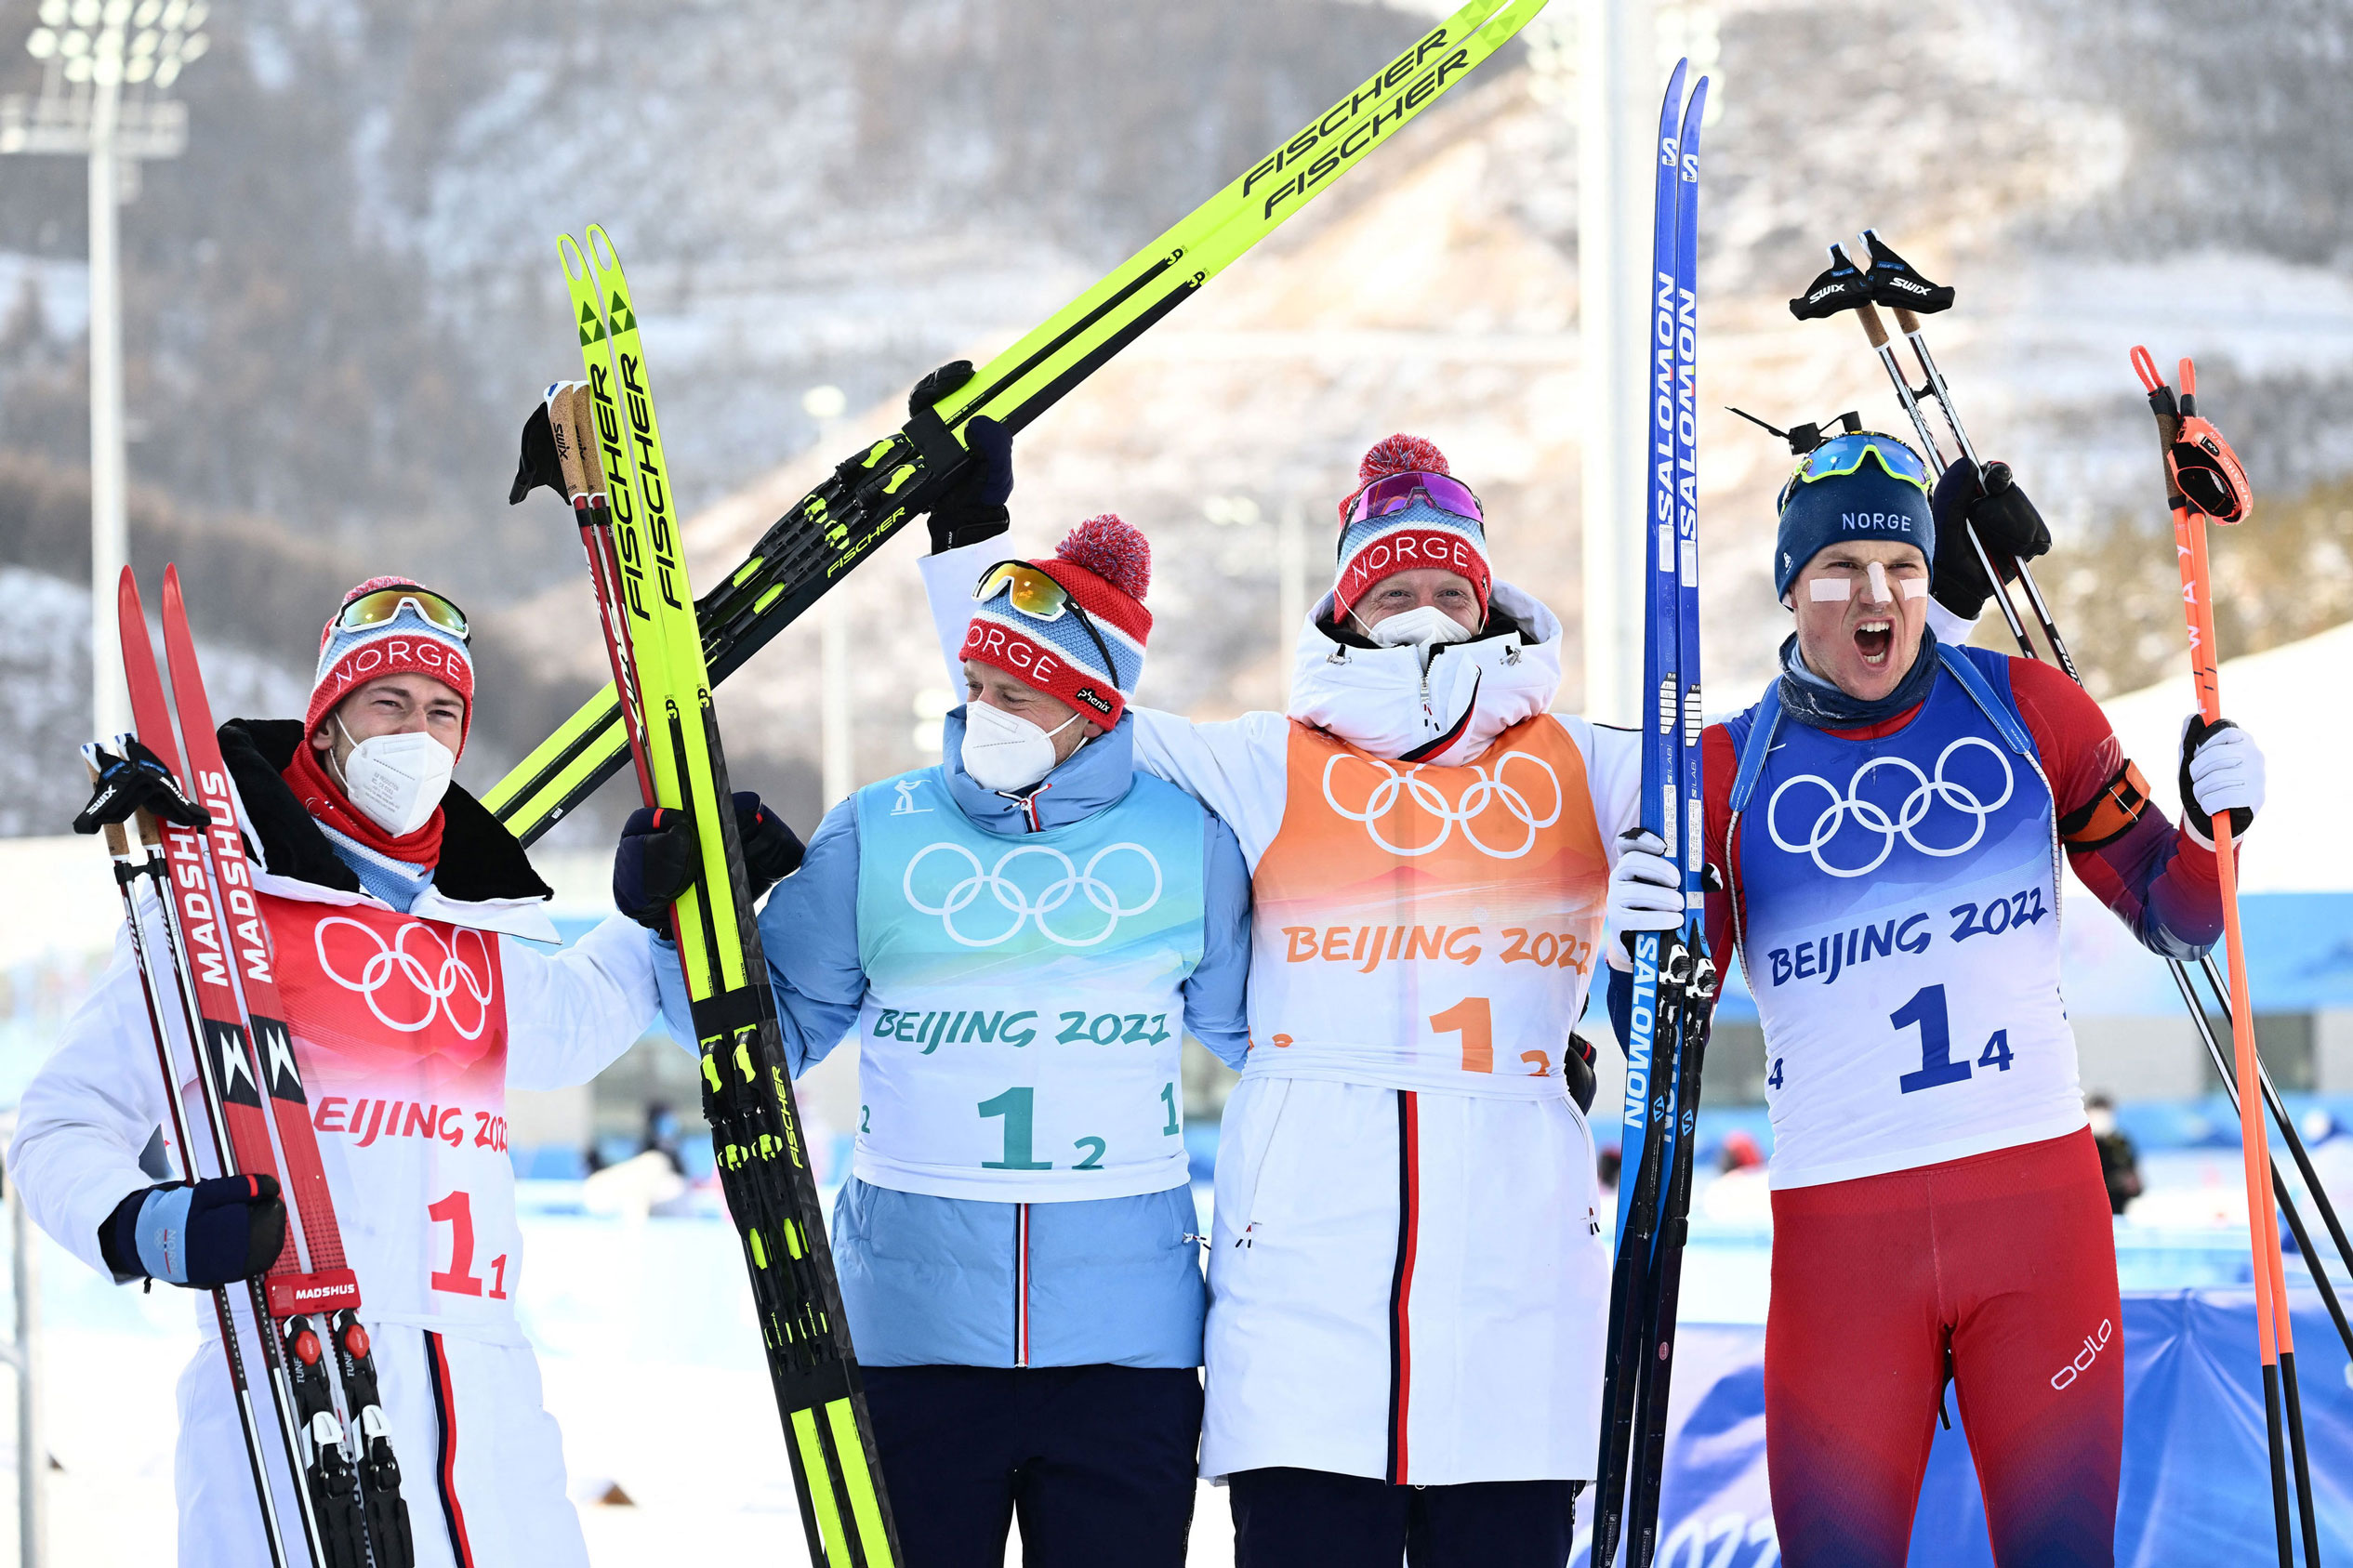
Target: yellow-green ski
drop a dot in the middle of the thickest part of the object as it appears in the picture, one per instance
(747, 1093)
(877, 489)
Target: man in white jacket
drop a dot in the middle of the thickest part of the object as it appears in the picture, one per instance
(1409, 1280)
(394, 905)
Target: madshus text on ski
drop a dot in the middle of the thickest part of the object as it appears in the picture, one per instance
(1417, 1336)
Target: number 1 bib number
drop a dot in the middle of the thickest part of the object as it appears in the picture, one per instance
(1019, 1107)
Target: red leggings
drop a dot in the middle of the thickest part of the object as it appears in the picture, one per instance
(2005, 1261)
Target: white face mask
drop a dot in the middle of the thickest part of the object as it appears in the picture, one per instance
(1004, 751)
(397, 780)
(1424, 625)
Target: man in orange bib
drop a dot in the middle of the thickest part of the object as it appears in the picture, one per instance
(1408, 1275)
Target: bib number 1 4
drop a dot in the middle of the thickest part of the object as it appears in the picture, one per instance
(1937, 1066)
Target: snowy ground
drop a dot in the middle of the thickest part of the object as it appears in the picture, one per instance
(652, 1368)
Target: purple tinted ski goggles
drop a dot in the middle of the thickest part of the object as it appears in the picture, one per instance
(1395, 493)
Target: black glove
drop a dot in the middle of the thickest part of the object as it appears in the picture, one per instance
(658, 857)
(137, 781)
(537, 464)
(2005, 518)
(973, 508)
(1577, 1066)
(2238, 774)
(772, 850)
(227, 1228)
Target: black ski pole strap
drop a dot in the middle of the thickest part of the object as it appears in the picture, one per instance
(943, 455)
(1895, 283)
(1840, 286)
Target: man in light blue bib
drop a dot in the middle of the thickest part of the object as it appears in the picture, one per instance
(1020, 937)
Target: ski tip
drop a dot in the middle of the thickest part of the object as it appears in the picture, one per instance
(575, 262)
(172, 599)
(602, 254)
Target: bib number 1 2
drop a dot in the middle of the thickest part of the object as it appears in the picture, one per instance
(1926, 1009)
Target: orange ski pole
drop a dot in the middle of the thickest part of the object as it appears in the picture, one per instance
(2223, 493)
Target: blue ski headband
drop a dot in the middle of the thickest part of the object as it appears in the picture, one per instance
(1860, 486)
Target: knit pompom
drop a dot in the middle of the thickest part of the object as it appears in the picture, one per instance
(1401, 454)
(1112, 550)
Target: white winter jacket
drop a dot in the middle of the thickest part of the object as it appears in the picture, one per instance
(1406, 1281)
(408, 1028)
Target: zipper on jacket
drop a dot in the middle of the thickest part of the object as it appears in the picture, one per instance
(1020, 1284)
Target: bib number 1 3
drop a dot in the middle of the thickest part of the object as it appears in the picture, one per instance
(1938, 1067)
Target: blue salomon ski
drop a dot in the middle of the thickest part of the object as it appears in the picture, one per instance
(1673, 981)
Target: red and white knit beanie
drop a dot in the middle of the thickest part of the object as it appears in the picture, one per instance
(1106, 566)
(408, 643)
(1417, 537)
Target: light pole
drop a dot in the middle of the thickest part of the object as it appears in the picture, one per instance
(1290, 588)
(1615, 85)
(105, 65)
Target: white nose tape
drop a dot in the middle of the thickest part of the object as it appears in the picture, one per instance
(1830, 590)
(1877, 575)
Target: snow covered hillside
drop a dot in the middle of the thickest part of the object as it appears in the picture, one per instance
(820, 192)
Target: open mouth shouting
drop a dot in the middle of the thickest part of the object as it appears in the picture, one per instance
(1873, 640)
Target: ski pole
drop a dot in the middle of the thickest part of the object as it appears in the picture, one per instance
(2286, 1123)
(1897, 275)
(2274, 1333)
(2278, 1184)
(129, 869)
(1876, 330)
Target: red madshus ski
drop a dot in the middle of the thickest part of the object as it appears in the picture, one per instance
(310, 1293)
(148, 862)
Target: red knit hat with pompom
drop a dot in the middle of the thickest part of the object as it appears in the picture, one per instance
(1421, 535)
(408, 643)
(1105, 566)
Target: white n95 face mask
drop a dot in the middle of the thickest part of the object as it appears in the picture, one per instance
(1425, 626)
(1004, 751)
(397, 780)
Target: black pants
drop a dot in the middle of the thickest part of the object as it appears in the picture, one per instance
(1314, 1519)
(1097, 1462)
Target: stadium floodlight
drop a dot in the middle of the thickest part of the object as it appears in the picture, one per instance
(104, 67)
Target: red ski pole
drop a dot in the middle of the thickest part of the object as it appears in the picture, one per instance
(2196, 458)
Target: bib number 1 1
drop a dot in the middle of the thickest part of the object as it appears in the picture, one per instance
(1938, 1067)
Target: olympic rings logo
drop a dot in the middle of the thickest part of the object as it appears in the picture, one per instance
(1870, 817)
(1009, 897)
(1424, 796)
(437, 985)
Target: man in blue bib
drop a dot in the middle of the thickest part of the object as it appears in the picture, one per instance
(1888, 824)
(1020, 939)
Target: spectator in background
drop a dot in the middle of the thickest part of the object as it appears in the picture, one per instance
(2120, 1162)
(1741, 1194)
(661, 1135)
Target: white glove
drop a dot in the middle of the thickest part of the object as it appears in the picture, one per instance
(2221, 770)
(1646, 888)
